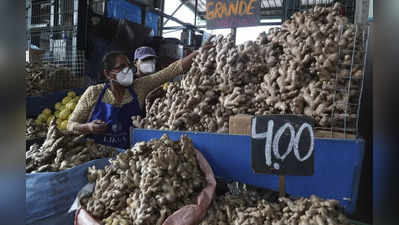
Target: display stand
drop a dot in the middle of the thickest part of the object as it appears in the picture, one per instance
(337, 164)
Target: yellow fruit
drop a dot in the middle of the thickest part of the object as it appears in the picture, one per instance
(50, 118)
(57, 114)
(38, 122)
(46, 111)
(65, 113)
(42, 117)
(71, 94)
(71, 105)
(66, 100)
(64, 125)
(76, 99)
(165, 86)
(57, 105)
(46, 116)
(58, 122)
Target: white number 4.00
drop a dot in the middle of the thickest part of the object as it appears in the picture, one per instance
(273, 143)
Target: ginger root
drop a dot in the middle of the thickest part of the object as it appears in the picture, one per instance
(146, 184)
(295, 69)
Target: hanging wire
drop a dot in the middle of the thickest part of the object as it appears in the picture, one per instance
(365, 36)
(350, 82)
(332, 120)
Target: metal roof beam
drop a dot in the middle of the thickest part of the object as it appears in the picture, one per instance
(175, 11)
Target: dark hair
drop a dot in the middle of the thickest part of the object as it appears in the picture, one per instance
(109, 61)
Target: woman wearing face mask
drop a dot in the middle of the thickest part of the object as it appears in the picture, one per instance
(104, 111)
(145, 61)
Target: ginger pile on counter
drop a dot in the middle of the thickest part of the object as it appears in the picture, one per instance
(302, 68)
(62, 151)
(249, 209)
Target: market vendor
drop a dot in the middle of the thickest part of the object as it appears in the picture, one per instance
(104, 111)
(145, 61)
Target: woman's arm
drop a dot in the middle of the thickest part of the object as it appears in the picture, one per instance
(188, 60)
(150, 82)
(77, 123)
(93, 127)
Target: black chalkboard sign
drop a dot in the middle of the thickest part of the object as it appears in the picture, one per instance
(282, 145)
(232, 13)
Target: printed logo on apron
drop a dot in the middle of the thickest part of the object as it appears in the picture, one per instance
(117, 128)
(116, 140)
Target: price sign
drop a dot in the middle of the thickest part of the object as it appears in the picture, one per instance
(231, 13)
(282, 145)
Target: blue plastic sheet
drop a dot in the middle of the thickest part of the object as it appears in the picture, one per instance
(64, 218)
(121, 9)
(52, 193)
(337, 164)
(151, 21)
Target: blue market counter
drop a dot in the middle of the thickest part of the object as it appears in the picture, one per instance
(337, 165)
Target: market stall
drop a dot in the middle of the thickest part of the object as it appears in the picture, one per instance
(264, 132)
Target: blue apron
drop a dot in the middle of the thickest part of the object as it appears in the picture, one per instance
(118, 120)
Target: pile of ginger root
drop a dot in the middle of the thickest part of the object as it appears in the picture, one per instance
(248, 208)
(302, 68)
(146, 184)
(61, 151)
(34, 130)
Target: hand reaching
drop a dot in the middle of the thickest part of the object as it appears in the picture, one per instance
(208, 44)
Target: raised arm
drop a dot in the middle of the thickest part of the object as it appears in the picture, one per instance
(149, 83)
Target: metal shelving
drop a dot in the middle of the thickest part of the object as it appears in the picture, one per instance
(52, 29)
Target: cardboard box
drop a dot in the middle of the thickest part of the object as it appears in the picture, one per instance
(35, 55)
(240, 124)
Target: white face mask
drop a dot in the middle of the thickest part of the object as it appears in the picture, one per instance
(147, 67)
(125, 77)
